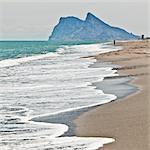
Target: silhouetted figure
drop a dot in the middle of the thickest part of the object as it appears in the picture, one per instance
(142, 36)
(114, 42)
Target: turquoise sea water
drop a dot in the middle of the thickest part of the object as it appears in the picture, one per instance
(15, 49)
(19, 49)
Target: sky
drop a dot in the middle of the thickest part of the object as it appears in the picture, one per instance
(35, 19)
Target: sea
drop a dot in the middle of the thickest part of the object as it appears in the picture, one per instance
(43, 78)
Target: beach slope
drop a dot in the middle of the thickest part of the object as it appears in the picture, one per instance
(127, 119)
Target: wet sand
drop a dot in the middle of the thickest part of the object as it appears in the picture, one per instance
(126, 119)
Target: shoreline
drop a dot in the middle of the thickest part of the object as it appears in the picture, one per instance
(127, 125)
(68, 117)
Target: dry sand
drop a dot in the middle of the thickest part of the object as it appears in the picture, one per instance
(127, 120)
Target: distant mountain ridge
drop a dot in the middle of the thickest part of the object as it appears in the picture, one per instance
(90, 29)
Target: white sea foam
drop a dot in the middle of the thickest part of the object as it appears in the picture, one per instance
(50, 84)
(14, 62)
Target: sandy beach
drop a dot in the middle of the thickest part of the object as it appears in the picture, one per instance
(127, 119)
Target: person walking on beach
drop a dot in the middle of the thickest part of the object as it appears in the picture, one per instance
(114, 42)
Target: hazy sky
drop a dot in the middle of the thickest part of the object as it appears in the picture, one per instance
(35, 19)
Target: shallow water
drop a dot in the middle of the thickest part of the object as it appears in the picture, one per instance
(45, 84)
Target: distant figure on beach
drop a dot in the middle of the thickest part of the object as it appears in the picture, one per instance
(114, 42)
(142, 37)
